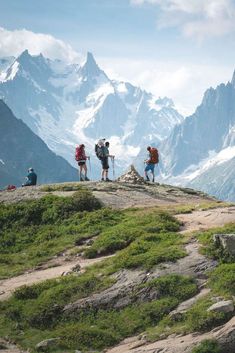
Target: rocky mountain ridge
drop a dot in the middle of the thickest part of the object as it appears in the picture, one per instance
(66, 104)
(200, 151)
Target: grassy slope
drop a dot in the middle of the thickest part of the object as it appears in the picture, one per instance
(33, 232)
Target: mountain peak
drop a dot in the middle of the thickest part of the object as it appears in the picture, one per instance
(233, 79)
(24, 55)
(90, 67)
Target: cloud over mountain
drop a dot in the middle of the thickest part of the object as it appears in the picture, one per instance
(13, 42)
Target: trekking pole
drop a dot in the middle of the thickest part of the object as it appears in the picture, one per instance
(113, 168)
(90, 168)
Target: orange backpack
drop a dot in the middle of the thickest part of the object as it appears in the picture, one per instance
(154, 155)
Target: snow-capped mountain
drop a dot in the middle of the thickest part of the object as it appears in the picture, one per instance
(202, 148)
(219, 179)
(67, 104)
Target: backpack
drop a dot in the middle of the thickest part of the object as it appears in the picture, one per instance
(154, 155)
(99, 151)
(79, 153)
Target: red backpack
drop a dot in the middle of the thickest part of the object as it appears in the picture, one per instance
(154, 155)
(79, 153)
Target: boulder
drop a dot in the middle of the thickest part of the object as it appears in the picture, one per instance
(44, 345)
(226, 241)
(224, 306)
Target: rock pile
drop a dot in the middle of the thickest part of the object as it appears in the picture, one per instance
(132, 177)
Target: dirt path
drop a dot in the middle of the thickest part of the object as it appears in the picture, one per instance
(8, 286)
(201, 220)
(194, 221)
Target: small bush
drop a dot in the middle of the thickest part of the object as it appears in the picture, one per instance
(149, 250)
(111, 241)
(207, 346)
(180, 287)
(222, 280)
(199, 319)
(78, 336)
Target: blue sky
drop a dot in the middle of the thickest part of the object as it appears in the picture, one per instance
(170, 47)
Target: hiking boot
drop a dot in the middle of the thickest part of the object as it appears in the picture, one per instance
(86, 179)
(107, 179)
(147, 178)
(153, 180)
(102, 179)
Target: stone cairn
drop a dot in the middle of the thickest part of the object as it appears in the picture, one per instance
(132, 177)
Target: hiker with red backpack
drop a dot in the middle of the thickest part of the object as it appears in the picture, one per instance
(152, 160)
(80, 157)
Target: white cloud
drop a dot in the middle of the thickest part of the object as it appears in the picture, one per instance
(195, 18)
(185, 84)
(12, 43)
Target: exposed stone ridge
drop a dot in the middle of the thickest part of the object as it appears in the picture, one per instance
(224, 335)
(132, 176)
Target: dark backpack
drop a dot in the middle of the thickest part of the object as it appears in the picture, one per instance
(99, 151)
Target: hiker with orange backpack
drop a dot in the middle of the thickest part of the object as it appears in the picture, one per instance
(152, 160)
(81, 157)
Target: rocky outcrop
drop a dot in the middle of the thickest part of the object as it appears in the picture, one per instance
(226, 241)
(223, 306)
(224, 335)
(126, 290)
(43, 346)
(121, 294)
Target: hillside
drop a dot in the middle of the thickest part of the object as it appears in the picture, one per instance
(115, 267)
(20, 149)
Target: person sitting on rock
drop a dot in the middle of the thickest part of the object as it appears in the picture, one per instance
(31, 178)
(152, 160)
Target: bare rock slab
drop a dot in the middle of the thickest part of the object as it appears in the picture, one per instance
(224, 306)
(44, 345)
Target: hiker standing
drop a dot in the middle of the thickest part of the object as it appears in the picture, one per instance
(31, 178)
(102, 152)
(153, 159)
(80, 156)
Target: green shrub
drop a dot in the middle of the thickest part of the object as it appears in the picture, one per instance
(207, 346)
(48, 209)
(149, 250)
(199, 319)
(78, 336)
(222, 279)
(174, 285)
(112, 240)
